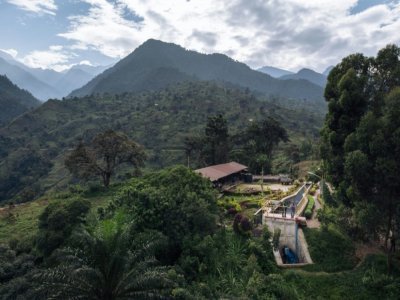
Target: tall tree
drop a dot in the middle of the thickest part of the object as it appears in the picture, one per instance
(216, 140)
(103, 155)
(361, 138)
(260, 140)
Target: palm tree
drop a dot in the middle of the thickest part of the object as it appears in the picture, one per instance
(106, 264)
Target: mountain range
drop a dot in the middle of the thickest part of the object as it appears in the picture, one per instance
(45, 83)
(305, 73)
(14, 101)
(33, 146)
(156, 64)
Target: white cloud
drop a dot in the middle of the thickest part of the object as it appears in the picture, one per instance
(282, 33)
(85, 63)
(55, 58)
(36, 6)
(289, 34)
(11, 52)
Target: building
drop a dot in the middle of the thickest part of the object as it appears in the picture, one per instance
(224, 173)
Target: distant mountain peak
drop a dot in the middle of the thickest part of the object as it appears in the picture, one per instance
(274, 72)
(309, 75)
(156, 64)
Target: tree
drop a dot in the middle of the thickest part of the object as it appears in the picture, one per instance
(105, 153)
(260, 139)
(192, 145)
(175, 201)
(361, 138)
(106, 264)
(57, 222)
(216, 141)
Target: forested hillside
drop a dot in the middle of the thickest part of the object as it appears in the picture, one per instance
(33, 146)
(13, 101)
(156, 64)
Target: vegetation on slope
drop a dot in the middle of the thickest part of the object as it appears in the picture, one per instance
(13, 101)
(155, 65)
(33, 147)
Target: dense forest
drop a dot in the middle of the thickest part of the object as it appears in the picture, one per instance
(100, 200)
(13, 101)
(33, 146)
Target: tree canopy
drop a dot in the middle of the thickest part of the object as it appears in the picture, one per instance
(360, 138)
(103, 155)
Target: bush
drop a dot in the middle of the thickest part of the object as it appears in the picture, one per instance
(242, 225)
(275, 238)
(310, 206)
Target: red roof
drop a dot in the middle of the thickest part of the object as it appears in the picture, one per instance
(220, 171)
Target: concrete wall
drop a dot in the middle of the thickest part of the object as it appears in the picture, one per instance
(288, 238)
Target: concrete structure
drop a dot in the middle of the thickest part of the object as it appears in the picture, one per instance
(291, 235)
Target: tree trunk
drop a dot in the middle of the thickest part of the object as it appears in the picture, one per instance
(106, 179)
(262, 180)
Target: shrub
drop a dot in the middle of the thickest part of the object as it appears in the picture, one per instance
(310, 206)
(275, 238)
(242, 225)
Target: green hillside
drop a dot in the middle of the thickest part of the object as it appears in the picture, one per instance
(33, 146)
(156, 64)
(13, 101)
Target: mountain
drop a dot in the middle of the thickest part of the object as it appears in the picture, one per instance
(27, 81)
(307, 74)
(172, 63)
(13, 101)
(92, 70)
(327, 70)
(33, 146)
(71, 80)
(274, 72)
(47, 83)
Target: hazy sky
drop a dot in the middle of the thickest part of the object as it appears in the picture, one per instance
(288, 34)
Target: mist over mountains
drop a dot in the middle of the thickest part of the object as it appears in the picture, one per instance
(304, 73)
(45, 84)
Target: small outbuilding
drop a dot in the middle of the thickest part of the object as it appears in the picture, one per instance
(224, 173)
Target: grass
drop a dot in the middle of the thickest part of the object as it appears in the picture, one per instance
(353, 284)
(21, 221)
(330, 250)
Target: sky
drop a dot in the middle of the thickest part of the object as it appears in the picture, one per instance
(288, 34)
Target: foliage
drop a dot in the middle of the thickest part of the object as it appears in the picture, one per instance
(13, 101)
(15, 273)
(159, 121)
(242, 225)
(105, 153)
(108, 263)
(330, 249)
(360, 139)
(215, 148)
(57, 222)
(258, 142)
(275, 238)
(176, 201)
(309, 208)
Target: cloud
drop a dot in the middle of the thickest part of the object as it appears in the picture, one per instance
(36, 6)
(283, 33)
(55, 58)
(11, 52)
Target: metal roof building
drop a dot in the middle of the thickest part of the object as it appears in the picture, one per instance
(217, 172)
